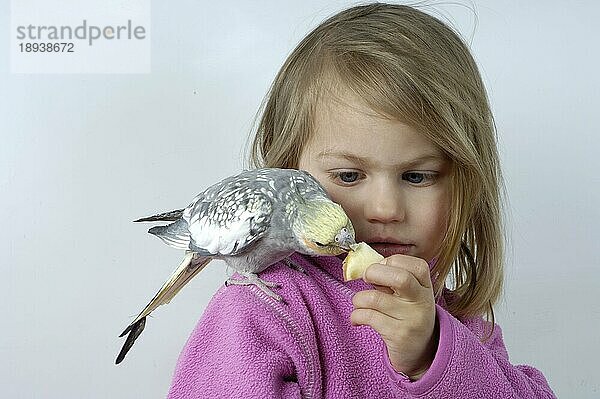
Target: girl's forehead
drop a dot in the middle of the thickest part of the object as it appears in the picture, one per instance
(345, 127)
(344, 109)
(376, 149)
(348, 125)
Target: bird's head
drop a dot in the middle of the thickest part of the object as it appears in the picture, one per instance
(323, 228)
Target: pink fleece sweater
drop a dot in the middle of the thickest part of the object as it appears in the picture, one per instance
(247, 345)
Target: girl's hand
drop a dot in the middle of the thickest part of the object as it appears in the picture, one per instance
(402, 310)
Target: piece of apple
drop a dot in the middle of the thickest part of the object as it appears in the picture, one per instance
(358, 259)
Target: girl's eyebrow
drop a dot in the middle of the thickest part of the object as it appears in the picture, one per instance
(367, 162)
(362, 161)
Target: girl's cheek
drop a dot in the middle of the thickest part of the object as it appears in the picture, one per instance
(352, 206)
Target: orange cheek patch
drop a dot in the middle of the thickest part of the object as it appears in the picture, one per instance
(310, 245)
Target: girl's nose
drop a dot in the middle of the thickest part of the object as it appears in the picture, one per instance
(385, 204)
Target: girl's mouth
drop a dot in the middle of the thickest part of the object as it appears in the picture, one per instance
(388, 249)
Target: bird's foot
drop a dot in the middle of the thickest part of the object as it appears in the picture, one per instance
(253, 279)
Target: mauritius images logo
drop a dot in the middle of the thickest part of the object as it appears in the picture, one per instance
(107, 36)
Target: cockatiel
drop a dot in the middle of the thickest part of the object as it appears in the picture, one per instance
(251, 221)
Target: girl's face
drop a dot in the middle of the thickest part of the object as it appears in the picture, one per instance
(391, 181)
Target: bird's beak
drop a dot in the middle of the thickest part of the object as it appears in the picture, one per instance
(346, 248)
(346, 242)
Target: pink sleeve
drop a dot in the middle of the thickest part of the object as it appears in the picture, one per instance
(237, 350)
(465, 367)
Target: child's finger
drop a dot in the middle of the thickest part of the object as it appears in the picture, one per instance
(375, 319)
(416, 266)
(399, 280)
(381, 302)
(383, 288)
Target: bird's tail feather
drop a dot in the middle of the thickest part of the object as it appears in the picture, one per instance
(134, 330)
(175, 235)
(170, 216)
(189, 267)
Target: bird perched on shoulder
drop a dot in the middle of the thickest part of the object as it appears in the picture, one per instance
(251, 221)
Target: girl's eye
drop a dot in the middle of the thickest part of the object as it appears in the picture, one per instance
(418, 177)
(346, 177)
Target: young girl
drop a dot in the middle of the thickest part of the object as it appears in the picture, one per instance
(384, 105)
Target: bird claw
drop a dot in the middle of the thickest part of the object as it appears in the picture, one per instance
(253, 279)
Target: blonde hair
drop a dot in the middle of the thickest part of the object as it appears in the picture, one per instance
(409, 66)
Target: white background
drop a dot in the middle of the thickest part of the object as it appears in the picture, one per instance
(81, 156)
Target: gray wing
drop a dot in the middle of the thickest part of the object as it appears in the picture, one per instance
(230, 222)
(230, 216)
